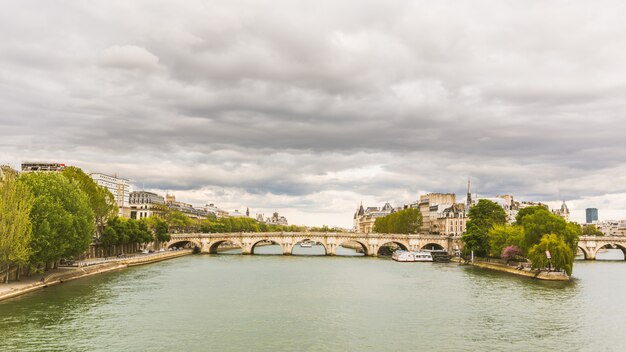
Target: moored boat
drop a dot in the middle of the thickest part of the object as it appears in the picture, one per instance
(407, 256)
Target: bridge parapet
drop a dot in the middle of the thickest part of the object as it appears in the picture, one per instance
(371, 242)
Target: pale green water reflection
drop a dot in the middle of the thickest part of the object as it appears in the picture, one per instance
(290, 303)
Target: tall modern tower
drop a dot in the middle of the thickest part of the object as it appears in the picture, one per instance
(591, 214)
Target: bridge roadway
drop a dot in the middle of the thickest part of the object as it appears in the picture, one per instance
(371, 243)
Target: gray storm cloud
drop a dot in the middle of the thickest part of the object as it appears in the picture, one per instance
(312, 107)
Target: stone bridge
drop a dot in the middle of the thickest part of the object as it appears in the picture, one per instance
(370, 243)
(590, 245)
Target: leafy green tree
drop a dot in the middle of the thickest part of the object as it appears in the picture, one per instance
(381, 225)
(101, 200)
(502, 236)
(482, 218)
(528, 211)
(16, 203)
(591, 230)
(177, 219)
(403, 221)
(561, 253)
(161, 231)
(542, 222)
(407, 221)
(62, 218)
(109, 236)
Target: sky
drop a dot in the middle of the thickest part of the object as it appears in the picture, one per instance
(309, 108)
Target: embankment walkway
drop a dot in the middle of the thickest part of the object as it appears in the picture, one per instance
(62, 274)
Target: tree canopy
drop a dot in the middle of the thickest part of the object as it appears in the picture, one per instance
(562, 256)
(100, 198)
(16, 203)
(403, 221)
(482, 218)
(541, 222)
(61, 216)
(591, 230)
(502, 236)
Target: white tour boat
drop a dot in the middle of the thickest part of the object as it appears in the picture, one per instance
(407, 256)
(306, 244)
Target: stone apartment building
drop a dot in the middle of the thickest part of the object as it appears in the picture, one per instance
(364, 218)
(145, 204)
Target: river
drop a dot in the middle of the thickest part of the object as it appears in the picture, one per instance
(296, 303)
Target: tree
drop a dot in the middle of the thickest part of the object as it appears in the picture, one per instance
(100, 198)
(403, 221)
(177, 219)
(511, 252)
(591, 230)
(407, 221)
(541, 222)
(62, 218)
(562, 256)
(16, 203)
(161, 231)
(528, 211)
(381, 225)
(482, 218)
(502, 236)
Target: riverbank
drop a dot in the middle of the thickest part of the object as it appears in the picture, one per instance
(63, 274)
(526, 272)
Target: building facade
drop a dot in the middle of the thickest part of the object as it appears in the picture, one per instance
(612, 227)
(591, 215)
(185, 208)
(451, 221)
(364, 218)
(119, 187)
(277, 219)
(213, 209)
(563, 211)
(431, 205)
(39, 166)
(146, 204)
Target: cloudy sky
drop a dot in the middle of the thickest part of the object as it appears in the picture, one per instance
(310, 107)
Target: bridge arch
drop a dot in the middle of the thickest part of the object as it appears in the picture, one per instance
(183, 243)
(403, 246)
(316, 243)
(432, 246)
(610, 245)
(363, 246)
(266, 240)
(213, 246)
(586, 255)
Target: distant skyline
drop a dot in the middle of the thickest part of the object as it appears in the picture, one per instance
(310, 107)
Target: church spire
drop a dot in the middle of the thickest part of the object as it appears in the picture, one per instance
(469, 194)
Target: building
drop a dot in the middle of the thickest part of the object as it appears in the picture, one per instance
(38, 166)
(213, 209)
(119, 187)
(612, 227)
(563, 211)
(185, 208)
(591, 215)
(431, 205)
(146, 204)
(451, 221)
(277, 219)
(364, 218)
(236, 214)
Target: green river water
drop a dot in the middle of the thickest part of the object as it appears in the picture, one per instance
(295, 303)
